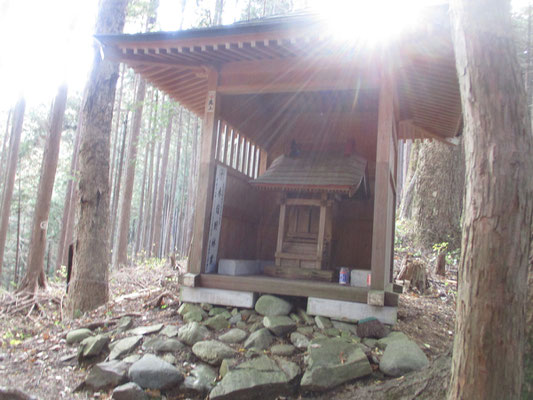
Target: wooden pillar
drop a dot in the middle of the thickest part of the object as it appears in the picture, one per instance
(263, 162)
(281, 229)
(204, 196)
(384, 194)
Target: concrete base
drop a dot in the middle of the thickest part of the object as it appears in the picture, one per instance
(231, 298)
(238, 267)
(338, 309)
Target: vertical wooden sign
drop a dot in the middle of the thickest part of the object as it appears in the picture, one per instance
(216, 219)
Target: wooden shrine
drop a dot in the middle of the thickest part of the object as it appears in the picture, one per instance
(261, 87)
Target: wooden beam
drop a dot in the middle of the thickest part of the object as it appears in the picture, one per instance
(204, 197)
(292, 287)
(408, 129)
(383, 225)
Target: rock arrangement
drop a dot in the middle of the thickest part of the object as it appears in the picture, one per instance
(226, 353)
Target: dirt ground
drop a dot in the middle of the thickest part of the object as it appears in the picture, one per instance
(35, 358)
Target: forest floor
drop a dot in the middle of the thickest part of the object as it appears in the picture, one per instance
(35, 358)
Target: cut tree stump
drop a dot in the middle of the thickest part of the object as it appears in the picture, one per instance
(415, 272)
(440, 269)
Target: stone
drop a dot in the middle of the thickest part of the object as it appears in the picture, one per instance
(307, 319)
(124, 324)
(331, 362)
(226, 365)
(305, 330)
(92, 346)
(401, 357)
(201, 380)
(260, 377)
(132, 358)
(233, 336)
(255, 326)
(217, 323)
(169, 358)
(129, 391)
(291, 370)
(107, 375)
(162, 345)
(299, 341)
(77, 335)
(170, 331)
(234, 319)
(279, 325)
(219, 311)
(212, 351)
(154, 373)
(192, 332)
(334, 332)
(247, 313)
(323, 322)
(234, 311)
(269, 305)
(206, 306)
(371, 328)
(295, 318)
(124, 346)
(370, 342)
(253, 352)
(282, 350)
(260, 339)
(194, 316)
(261, 363)
(391, 337)
(345, 327)
(188, 307)
(241, 325)
(349, 310)
(146, 330)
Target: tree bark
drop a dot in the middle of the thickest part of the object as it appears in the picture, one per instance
(151, 246)
(14, 142)
(67, 221)
(161, 189)
(437, 198)
(89, 282)
(118, 182)
(120, 256)
(35, 270)
(4, 150)
(489, 341)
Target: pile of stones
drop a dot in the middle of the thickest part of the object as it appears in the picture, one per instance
(226, 353)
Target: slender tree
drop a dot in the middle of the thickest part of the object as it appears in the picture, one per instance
(161, 189)
(89, 282)
(67, 220)
(35, 269)
(14, 142)
(489, 340)
(120, 255)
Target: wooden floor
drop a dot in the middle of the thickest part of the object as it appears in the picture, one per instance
(291, 287)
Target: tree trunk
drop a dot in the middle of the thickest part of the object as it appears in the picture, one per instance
(151, 247)
(489, 341)
(4, 150)
(219, 8)
(35, 270)
(117, 123)
(120, 256)
(174, 180)
(161, 189)
(17, 249)
(89, 282)
(67, 219)
(14, 142)
(437, 198)
(118, 182)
